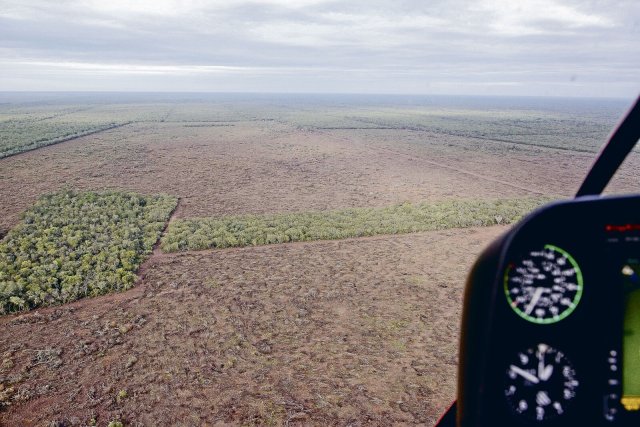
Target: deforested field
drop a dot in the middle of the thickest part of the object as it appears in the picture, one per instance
(312, 250)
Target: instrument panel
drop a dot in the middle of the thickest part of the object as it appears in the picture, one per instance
(551, 325)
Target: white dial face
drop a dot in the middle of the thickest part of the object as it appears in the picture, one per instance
(540, 384)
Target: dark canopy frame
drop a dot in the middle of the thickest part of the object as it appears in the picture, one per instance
(620, 144)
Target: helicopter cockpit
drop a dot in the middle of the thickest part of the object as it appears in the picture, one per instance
(551, 321)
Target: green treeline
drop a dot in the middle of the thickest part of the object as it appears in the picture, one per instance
(251, 230)
(10, 145)
(70, 245)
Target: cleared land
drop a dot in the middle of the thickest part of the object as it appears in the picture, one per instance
(357, 331)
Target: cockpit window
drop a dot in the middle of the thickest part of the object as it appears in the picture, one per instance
(263, 212)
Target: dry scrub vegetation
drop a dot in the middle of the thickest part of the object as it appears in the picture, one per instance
(334, 332)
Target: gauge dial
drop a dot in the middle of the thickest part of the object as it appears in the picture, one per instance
(545, 286)
(541, 383)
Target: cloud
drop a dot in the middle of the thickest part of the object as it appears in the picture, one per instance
(323, 45)
(536, 17)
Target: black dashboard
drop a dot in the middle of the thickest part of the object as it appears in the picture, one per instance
(551, 324)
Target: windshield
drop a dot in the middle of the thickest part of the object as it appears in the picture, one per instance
(264, 213)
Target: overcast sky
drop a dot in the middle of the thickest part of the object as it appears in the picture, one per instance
(503, 47)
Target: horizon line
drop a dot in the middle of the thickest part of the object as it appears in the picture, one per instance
(393, 94)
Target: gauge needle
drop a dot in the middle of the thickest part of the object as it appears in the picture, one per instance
(544, 372)
(534, 300)
(524, 374)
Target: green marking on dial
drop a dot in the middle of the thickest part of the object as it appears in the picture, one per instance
(545, 286)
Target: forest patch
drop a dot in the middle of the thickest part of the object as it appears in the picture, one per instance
(71, 245)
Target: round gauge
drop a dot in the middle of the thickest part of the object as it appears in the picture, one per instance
(545, 286)
(541, 383)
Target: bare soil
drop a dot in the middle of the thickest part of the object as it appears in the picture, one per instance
(267, 166)
(352, 332)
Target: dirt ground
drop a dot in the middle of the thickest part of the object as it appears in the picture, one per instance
(267, 166)
(352, 332)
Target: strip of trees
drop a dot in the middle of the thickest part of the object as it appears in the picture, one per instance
(251, 230)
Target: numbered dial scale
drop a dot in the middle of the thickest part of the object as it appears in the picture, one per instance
(540, 383)
(544, 286)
